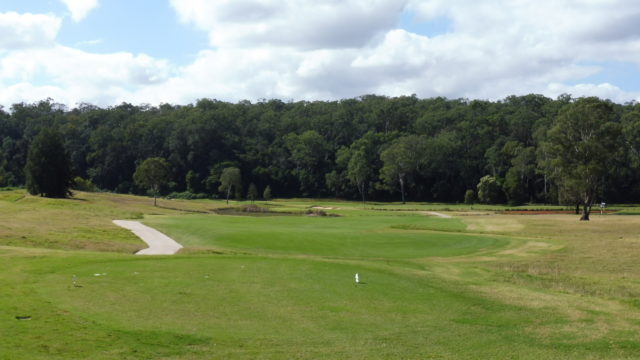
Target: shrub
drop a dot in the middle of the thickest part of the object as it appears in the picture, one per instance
(187, 195)
(267, 193)
(84, 185)
(489, 190)
(469, 197)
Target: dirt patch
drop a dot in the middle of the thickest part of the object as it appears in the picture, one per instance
(494, 224)
(435, 213)
(549, 212)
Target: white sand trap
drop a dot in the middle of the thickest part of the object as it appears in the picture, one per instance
(159, 243)
(444, 216)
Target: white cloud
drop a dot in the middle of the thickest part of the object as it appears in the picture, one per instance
(603, 91)
(19, 31)
(80, 8)
(74, 76)
(306, 24)
(309, 50)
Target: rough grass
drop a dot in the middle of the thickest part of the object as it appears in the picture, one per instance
(80, 222)
(477, 286)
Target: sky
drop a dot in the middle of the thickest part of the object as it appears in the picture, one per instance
(106, 52)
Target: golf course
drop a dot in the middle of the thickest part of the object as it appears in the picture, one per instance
(275, 280)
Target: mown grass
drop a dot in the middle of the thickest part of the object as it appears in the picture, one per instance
(357, 236)
(281, 287)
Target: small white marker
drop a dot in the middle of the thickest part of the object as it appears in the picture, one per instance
(357, 279)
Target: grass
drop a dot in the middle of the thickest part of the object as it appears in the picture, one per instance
(349, 236)
(482, 285)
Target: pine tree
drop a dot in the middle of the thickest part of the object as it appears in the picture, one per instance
(267, 193)
(48, 167)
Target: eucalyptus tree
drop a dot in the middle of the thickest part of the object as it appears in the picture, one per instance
(152, 174)
(585, 143)
(401, 159)
(230, 179)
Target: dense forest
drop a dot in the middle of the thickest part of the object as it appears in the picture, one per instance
(369, 148)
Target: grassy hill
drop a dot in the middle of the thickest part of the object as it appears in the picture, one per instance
(281, 285)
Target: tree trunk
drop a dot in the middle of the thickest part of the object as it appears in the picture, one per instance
(586, 209)
(361, 188)
(401, 187)
(228, 193)
(578, 209)
(155, 195)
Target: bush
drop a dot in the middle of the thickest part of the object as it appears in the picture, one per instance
(187, 195)
(267, 193)
(489, 190)
(84, 185)
(469, 197)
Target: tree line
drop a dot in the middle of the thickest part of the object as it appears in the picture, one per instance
(520, 149)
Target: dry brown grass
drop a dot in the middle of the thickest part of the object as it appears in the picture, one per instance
(588, 272)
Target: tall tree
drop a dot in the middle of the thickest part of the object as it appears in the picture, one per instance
(309, 152)
(584, 143)
(152, 174)
(252, 193)
(48, 168)
(230, 179)
(359, 171)
(400, 160)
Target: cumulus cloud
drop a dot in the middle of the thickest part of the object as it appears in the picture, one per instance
(80, 8)
(19, 31)
(310, 50)
(304, 24)
(348, 48)
(76, 76)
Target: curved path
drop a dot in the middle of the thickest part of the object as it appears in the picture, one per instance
(159, 243)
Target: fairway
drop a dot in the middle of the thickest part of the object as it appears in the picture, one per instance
(478, 285)
(357, 235)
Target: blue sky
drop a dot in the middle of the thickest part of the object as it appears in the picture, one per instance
(177, 51)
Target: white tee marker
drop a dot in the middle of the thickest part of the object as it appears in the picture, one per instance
(357, 279)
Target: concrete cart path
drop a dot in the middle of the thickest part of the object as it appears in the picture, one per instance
(159, 243)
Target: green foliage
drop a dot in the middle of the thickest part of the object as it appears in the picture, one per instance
(309, 153)
(230, 179)
(192, 181)
(186, 195)
(328, 148)
(584, 146)
(267, 195)
(401, 159)
(48, 169)
(252, 193)
(335, 182)
(152, 174)
(514, 188)
(469, 197)
(84, 184)
(489, 190)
